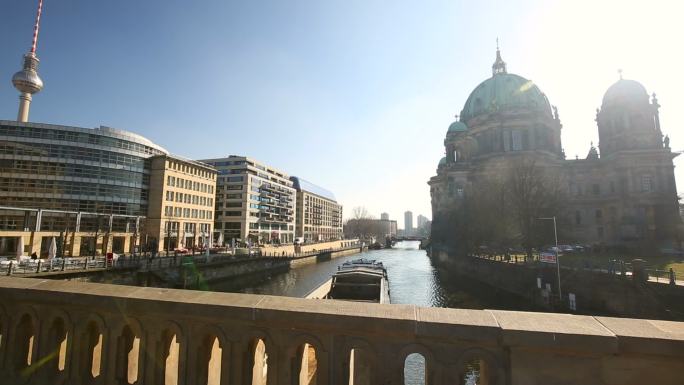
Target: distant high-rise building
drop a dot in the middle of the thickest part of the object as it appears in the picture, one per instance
(408, 221)
(384, 216)
(421, 220)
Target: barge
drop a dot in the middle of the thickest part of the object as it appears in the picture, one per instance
(360, 280)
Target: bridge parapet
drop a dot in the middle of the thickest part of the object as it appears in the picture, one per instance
(83, 333)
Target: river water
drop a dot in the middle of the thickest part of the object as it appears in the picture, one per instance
(412, 280)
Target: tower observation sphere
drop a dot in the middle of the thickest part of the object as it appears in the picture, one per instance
(27, 81)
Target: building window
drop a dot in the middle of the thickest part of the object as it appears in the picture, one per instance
(599, 231)
(646, 183)
(612, 187)
(599, 214)
(517, 140)
(596, 189)
(578, 217)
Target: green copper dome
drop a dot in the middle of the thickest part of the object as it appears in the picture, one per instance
(457, 126)
(504, 91)
(442, 161)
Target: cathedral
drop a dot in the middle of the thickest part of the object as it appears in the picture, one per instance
(622, 194)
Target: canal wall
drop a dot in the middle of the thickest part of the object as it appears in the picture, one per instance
(273, 250)
(594, 292)
(243, 275)
(187, 273)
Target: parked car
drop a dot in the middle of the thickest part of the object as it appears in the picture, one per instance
(578, 248)
(566, 248)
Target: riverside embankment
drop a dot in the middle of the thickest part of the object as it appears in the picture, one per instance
(194, 271)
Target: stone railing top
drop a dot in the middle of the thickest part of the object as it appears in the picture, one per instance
(584, 334)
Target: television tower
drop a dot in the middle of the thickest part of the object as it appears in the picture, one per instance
(27, 80)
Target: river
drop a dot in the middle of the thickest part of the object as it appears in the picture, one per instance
(412, 279)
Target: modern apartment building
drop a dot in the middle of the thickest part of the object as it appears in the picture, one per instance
(421, 220)
(181, 205)
(254, 202)
(319, 216)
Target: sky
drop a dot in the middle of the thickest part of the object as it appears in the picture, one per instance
(353, 95)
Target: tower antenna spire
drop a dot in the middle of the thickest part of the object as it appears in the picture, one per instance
(36, 27)
(27, 81)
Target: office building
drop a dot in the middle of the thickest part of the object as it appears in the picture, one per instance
(87, 188)
(384, 216)
(319, 216)
(181, 205)
(254, 202)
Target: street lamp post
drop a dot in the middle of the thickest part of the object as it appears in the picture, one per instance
(555, 235)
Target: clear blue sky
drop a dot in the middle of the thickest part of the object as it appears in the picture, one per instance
(355, 96)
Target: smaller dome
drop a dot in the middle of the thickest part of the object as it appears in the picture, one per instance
(442, 161)
(457, 126)
(625, 91)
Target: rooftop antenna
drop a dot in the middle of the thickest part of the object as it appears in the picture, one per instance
(27, 81)
(620, 72)
(36, 27)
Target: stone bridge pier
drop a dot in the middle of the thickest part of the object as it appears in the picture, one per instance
(57, 332)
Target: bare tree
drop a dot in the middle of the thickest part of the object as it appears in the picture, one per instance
(532, 193)
(501, 210)
(362, 224)
(360, 212)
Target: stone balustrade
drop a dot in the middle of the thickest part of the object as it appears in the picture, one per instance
(59, 332)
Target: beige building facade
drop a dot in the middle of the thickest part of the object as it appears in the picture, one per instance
(255, 203)
(319, 216)
(181, 206)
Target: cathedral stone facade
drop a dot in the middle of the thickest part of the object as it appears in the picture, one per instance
(622, 194)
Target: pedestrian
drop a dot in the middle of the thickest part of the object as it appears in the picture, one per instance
(34, 256)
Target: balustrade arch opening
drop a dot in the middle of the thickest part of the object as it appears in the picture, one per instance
(56, 347)
(479, 367)
(24, 344)
(304, 365)
(209, 370)
(91, 349)
(258, 362)
(167, 356)
(128, 355)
